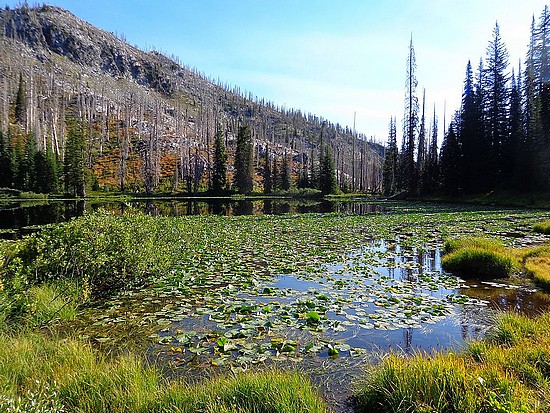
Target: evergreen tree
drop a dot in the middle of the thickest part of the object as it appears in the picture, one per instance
(496, 104)
(515, 133)
(219, 177)
(541, 143)
(431, 177)
(450, 163)
(6, 173)
(471, 134)
(408, 175)
(422, 146)
(244, 166)
(21, 103)
(389, 180)
(46, 172)
(286, 179)
(268, 178)
(327, 174)
(276, 176)
(73, 161)
(27, 168)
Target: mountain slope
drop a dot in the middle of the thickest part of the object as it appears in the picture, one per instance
(149, 121)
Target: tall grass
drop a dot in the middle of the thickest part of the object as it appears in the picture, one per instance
(83, 380)
(507, 372)
(542, 227)
(477, 257)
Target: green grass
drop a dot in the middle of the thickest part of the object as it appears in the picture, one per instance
(477, 257)
(69, 373)
(507, 372)
(542, 227)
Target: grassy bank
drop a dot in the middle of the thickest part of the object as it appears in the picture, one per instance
(507, 372)
(489, 258)
(47, 374)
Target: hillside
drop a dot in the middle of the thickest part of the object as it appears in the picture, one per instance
(149, 121)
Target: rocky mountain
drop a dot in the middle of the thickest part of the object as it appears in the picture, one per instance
(149, 121)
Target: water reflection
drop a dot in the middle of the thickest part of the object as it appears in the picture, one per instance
(19, 215)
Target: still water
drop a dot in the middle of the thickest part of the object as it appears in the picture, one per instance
(18, 218)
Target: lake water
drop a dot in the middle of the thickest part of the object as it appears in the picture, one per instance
(20, 217)
(384, 296)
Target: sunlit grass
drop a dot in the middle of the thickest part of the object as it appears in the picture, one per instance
(477, 257)
(542, 227)
(84, 380)
(508, 372)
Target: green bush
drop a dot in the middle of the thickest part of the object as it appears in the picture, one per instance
(100, 250)
(478, 262)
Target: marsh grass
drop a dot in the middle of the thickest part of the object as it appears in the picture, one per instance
(482, 257)
(542, 227)
(477, 257)
(507, 372)
(84, 380)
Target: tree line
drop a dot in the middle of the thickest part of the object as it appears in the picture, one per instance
(498, 140)
(26, 167)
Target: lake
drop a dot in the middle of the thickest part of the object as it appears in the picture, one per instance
(325, 286)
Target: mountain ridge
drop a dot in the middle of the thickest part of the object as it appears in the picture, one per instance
(65, 58)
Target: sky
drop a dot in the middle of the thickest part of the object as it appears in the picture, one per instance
(326, 57)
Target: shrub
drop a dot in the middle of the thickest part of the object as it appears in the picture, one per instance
(101, 250)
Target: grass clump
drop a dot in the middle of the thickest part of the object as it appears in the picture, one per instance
(74, 377)
(507, 372)
(477, 257)
(542, 227)
(539, 266)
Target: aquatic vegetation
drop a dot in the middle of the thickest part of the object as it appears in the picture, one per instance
(508, 371)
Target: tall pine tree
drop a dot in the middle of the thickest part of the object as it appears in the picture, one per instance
(219, 177)
(244, 165)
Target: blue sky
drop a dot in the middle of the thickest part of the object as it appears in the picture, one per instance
(331, 58)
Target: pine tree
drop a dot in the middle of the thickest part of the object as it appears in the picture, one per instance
(389, 180)
(422, 146)
(276, 176)
(327, 174)
(450, 163)
(46, 172)
(471, 136)
(244, 166)
(515, 133)
(219, 177)
(431, 179)
(27, 168)
(6, 174)
(21, 103)
(73, 161)
(268, 178)
(496, 104)
(286, 179)
(408, 175)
